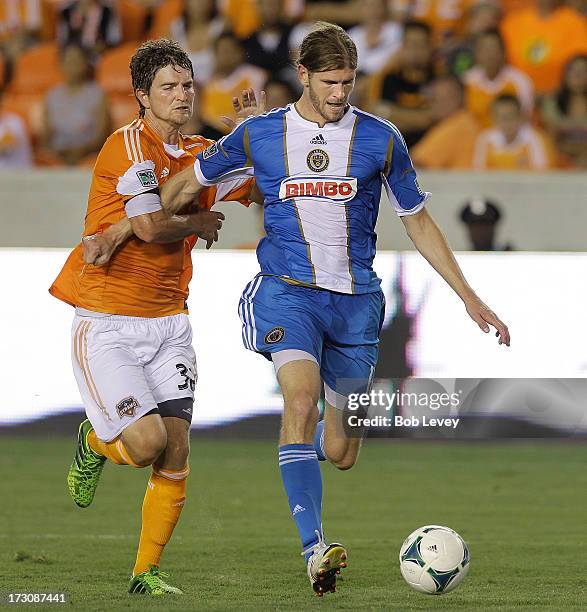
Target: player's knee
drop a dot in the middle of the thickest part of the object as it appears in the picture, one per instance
(177, 451)
(342, 458)
(302, 407)
(346, 463)
(151, 446)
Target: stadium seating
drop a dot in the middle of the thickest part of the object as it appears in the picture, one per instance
(113, 72)
(37, 70)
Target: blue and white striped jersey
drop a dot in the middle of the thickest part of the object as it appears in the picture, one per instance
(322, 188)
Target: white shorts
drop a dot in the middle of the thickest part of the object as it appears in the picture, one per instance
(125, 366)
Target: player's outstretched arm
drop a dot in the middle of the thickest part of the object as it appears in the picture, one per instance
(431, 243)
(154, 227)
(162, 226)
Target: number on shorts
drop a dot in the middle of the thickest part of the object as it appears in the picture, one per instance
(189, 379)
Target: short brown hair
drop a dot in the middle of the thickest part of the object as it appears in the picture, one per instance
(327, 47)
(150, 57)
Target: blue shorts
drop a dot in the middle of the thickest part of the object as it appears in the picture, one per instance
(339, 330)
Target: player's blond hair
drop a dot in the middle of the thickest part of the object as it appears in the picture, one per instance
(327, 47)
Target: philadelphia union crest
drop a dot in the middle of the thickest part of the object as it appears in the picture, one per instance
(275, 335)
(317, 160)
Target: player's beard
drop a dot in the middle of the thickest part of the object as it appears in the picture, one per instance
(324, 110)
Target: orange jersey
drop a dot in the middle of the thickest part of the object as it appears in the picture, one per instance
(217, 94)
(481, 91)
(449, 145)
(446, 18)
(530, 150)
(142, 279)
(541, 47)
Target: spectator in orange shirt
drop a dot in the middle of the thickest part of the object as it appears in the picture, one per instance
(541, 39)
(512, 144)
(231, 76)
(450, 143)
(400, 94)
(76, 120)
(446, 18)
(491, 77)
(565, 113)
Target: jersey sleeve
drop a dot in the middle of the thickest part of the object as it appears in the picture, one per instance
(399, 178)
(227, 159)
(237, 190)
(128, 159)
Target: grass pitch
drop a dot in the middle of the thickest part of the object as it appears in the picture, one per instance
(520, 506)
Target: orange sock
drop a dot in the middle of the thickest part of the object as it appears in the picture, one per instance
(162, 506)
(114, 450)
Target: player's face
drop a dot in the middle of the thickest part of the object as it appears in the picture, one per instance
(329, 92)
(171, 97)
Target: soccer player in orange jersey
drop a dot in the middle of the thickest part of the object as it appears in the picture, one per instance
(131, 339)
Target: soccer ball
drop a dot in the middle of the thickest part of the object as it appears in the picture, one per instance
(434, 559)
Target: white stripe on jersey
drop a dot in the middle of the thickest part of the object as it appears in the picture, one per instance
(323, 221)
(127, 144)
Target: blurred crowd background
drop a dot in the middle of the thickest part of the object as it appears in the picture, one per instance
(471, 84)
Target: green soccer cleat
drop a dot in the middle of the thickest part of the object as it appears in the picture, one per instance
(151, 583)
(85, 471)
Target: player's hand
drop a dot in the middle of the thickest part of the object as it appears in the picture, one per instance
(206, 225)
(484, 317)
(248, 107)
(98, 249)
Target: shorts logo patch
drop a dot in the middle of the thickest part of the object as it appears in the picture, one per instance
(147, 178)
(210, 151)
(127, 407)
(317, 160)
(275, 335)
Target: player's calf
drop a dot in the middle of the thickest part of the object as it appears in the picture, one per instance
(341, 451)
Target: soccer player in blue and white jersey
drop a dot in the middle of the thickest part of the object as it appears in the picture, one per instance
(316, 306)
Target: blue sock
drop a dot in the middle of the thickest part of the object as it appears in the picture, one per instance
(302, 481)
(319, 441)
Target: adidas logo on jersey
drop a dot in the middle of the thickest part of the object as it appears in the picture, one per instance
(318, 140)
(297, 509)
(164, 173)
